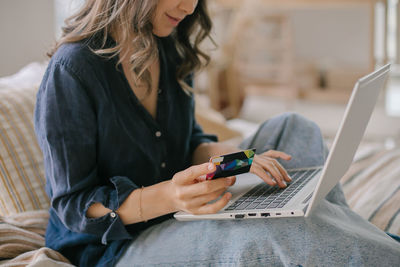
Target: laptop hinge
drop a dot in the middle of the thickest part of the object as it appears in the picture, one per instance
(305, 208)
(307, 198)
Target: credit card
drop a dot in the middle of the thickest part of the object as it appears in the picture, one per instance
(232, 164)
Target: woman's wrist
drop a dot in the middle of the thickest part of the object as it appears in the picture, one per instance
(168, 196)
(146, 203)
(159, 200)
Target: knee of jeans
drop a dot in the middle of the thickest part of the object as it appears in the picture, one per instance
(297, 120)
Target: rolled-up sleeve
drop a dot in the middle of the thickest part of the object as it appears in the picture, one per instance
(66, 128)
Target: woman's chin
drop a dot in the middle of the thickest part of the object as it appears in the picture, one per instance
(162, 32)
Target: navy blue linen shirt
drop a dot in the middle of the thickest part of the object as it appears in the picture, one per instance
(100, 143)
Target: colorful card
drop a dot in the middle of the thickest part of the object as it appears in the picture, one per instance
(232, 164)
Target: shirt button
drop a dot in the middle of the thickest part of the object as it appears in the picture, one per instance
(159, 91)
(113, 215)
(158, 133)
(163, 165)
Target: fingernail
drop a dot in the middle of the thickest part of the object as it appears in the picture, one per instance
(284, 183)
(210, 166)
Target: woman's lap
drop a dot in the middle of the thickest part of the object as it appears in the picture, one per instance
(332, 235)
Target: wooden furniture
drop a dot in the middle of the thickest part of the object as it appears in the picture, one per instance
(229, 73)
(310, 4)
(259, 55)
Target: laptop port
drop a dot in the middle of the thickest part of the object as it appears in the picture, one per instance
(239, 216)
(265, 214)
(278, 213)
(252, 214)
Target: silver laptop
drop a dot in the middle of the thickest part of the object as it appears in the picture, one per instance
(253, 198)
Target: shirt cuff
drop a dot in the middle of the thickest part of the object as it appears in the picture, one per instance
(114, 228)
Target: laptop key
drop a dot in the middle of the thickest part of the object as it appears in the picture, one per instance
(242, 206)
(262, 206)
(252, 205)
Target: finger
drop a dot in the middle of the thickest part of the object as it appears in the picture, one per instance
(189, 175)
(280, 168)
(208, 186)
(204, 199)
(277, 154)
(263, 175)
(233, 180)
(269, 164)
(216, 206)
(201, 178)
(283, 172)
(274, 171)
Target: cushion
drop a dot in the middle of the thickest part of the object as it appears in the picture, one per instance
(22, 241)
(372, 189)
(22, 179)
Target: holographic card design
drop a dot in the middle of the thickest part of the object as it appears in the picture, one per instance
(232, 164)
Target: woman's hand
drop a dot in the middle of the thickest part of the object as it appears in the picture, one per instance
(269, 169)
(190, 192)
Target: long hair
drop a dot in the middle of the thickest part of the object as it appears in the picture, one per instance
(98, 19)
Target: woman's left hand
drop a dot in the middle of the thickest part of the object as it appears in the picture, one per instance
(269, 169)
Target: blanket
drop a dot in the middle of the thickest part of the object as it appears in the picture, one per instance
(22, 241)
(372, 189)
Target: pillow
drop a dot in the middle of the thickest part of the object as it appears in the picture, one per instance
(22, 180)
(372, 189)
(30, 75)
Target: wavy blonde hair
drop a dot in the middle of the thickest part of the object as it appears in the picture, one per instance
(98, 18)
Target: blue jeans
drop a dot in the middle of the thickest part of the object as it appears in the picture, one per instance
(332, 236)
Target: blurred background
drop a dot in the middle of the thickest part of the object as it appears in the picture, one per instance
(269, 57)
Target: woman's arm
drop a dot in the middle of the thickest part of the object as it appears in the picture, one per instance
(183, 192)
(156, 199)
(142, 204)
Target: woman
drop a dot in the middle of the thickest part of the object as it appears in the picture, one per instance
(123, 152)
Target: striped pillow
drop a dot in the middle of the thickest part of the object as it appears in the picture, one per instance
(372, 189)
(22, 179)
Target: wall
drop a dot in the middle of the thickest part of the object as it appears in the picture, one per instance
(26, 30)
(338, 36)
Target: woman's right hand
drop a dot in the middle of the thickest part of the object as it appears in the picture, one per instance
(190, 192)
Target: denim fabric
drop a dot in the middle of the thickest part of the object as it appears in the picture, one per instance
(333, 235)
(99, 144)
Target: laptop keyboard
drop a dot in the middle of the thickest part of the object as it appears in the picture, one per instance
(265, 196)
